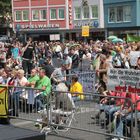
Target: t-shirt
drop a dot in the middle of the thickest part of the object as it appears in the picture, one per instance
(34, 78)
(77, 87)
(59, 74)
(45, 81)
(67, 61)
(28, 54)
(15, 52)
(22, 81)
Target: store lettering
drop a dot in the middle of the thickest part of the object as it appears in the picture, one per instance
(83, 24)
(39, 26)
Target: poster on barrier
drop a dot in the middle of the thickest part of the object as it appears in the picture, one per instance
(133, 57)
(124, 80)
(87, 79)
(3, 102)
(85, 65)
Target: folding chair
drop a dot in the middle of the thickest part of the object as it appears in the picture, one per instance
(63, 115)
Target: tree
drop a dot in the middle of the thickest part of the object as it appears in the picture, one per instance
(5, 11)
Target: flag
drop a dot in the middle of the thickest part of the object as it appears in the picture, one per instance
(131, 38)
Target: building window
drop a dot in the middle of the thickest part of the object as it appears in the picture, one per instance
(127, 13)
(35, 15)
(94, 11)
(120, 14)
(53, 14)
(25, 15)
(61, 13)
(112, 15)
(18, 15)
(86, 12)
(77, 11)
(42, 14)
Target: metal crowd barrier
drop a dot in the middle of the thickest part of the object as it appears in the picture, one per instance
(25, 102)
(136, 121)
(62, 110)
(66, 113)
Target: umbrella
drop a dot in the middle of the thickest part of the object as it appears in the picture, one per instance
(117, 40)
(112, 37)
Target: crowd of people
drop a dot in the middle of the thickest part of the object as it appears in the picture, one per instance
(33, 64)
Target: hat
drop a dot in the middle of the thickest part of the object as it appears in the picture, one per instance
(17, 67)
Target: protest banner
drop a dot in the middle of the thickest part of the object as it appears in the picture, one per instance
(87, 79)
(124, 80)
(3, 102)
(133, 57)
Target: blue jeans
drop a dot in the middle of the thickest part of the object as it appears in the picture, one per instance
(110, 111)
(119, 126)
(15, 99)
(39, 102)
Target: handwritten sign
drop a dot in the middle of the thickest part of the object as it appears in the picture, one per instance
(124, 80)
(87, 79)
(85, 65)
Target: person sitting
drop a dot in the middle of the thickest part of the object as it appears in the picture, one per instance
(43, 84)
(31, 83)
(76, 89)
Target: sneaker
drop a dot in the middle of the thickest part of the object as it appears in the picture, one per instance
(115, 139)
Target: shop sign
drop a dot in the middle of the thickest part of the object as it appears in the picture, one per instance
(38, 26)
(86, 23)
(85, 31)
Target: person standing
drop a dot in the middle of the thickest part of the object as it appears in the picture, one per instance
(2, 55)
(137, 67)
(49, 68)
(67, 62)
(75, 59)
(28, 52)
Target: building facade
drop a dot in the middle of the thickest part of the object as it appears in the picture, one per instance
(122, 17)
(42, 18)
(90, 13)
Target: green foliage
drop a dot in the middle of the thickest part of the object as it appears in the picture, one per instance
(5, 7)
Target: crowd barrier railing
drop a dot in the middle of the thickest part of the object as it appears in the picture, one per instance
(23, 102)
(67, 112)
(62, 110)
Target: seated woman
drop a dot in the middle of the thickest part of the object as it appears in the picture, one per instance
(76, 89)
